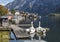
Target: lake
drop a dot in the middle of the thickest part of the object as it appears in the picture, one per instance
(50, 22)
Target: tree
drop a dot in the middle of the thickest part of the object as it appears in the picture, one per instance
(3, 10)
(13, 11)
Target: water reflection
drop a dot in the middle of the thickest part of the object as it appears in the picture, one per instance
(33, 37)
(54, 25)
(39, 35)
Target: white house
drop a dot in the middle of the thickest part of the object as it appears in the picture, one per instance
(17, 13)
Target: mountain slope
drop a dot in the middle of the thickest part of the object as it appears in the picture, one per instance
(42, 7)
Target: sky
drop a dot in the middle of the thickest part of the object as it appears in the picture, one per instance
(4, 2)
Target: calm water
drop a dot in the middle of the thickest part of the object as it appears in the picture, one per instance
(50, 22)
(54, 24)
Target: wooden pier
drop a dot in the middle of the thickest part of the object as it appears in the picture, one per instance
(19, 32)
